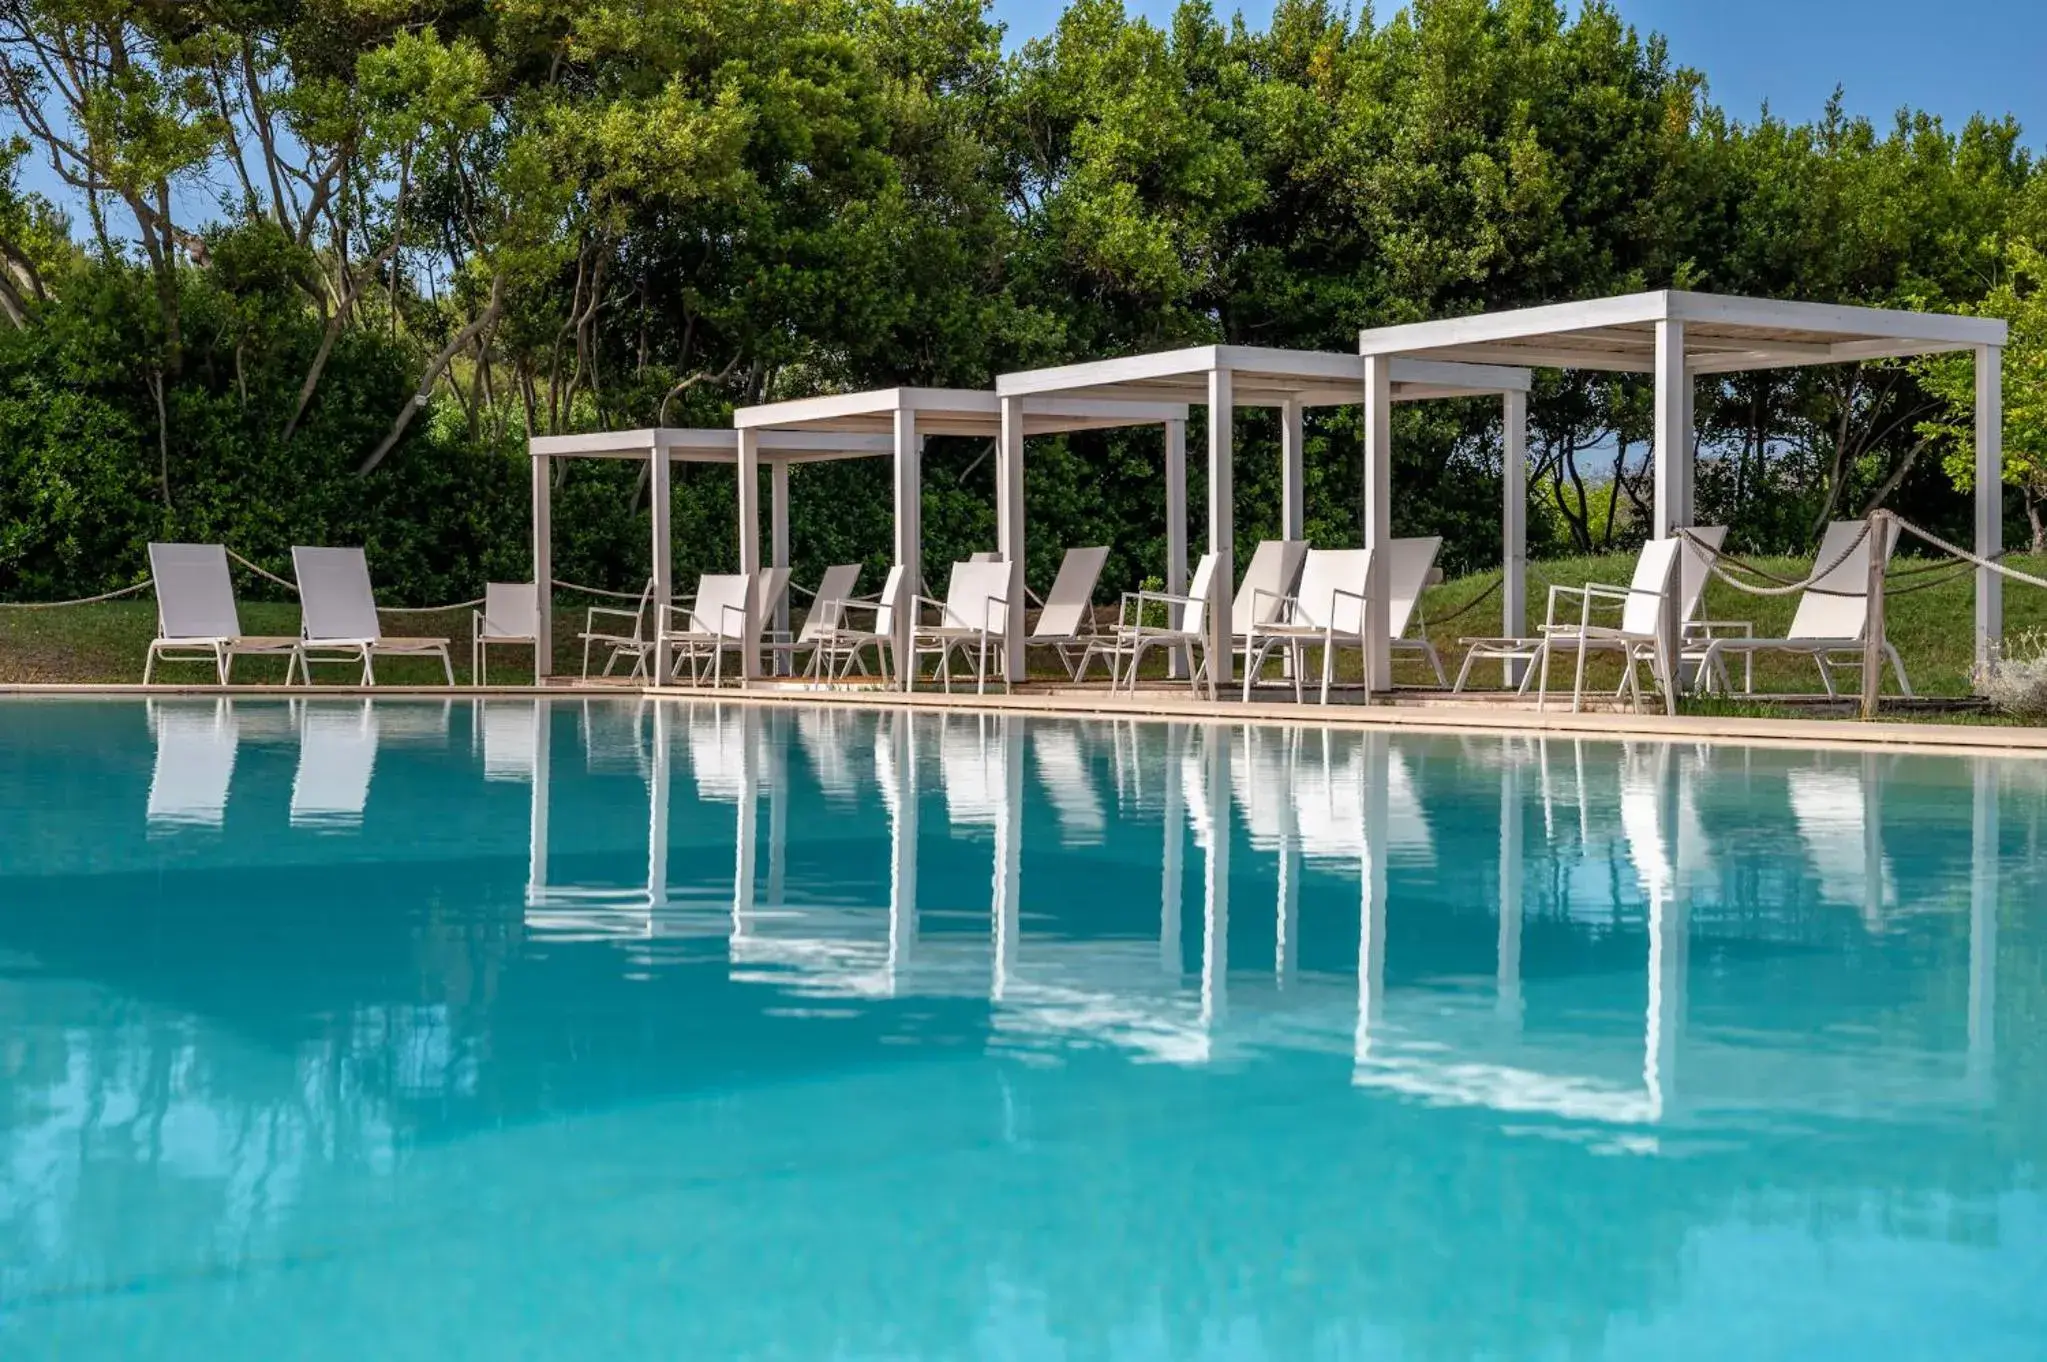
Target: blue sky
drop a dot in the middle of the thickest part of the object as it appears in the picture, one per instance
(1954, 57)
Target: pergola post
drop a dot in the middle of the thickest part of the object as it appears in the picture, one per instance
(909, 536)
(750, 543)
(1989, 503)
(658, 779)
(1378, 520)
(1673, 467)
(543, 567)
(661, 503)
(1222, 529)
(1292, 473)
(1176, 526)
(1215, 879)
(536, 819)
(1514, 524)
(1009, 530)
(778, 547)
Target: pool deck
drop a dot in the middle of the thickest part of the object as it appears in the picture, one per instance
(1486, 713)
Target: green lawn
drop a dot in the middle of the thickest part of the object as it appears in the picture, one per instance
(1932, 627)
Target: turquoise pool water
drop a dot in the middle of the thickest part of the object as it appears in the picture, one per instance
(608, 1030)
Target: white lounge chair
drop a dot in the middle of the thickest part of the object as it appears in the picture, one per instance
(604, 627)
(196, 744)
(1638, 634)
(196, 619)
(1410, 563)
(834, 589)
(1066, 623)
(839, 647)
(1327, 609)
(1832, 616)
(1693, 573)
(510, 615)
(339, 616)
(1275, 569)
(1182, 626)
(972, 621)
(720, 619)
(337, 758)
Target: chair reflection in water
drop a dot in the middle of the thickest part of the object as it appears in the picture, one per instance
(196, 745)
(1341, 815)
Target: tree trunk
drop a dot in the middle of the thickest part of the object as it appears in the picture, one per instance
(460, 341)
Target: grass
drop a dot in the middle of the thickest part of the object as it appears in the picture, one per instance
(1933, 627)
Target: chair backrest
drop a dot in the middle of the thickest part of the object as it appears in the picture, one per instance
(834, 589)
(770, 584)
(1408, 565)
(984, 557)
(1199, 586)
(194, 596)
(1072, 594)
(510, 610)
(1695, 569)
(890, 600)
(972, 594)
(720, 609)
(1837, 605)
(1643, 612)
(334, 594)
(1275, 567)
(1332, 589)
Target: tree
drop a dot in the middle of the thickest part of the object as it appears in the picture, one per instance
(2019, 298)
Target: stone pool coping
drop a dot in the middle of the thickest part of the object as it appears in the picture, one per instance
(1489, 717)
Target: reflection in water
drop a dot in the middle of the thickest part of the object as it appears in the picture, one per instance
(1610, 1026)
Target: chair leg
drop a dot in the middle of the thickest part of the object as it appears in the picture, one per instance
(1898, 668)
(369, 668)
(1542, 654)
(1578, 679)
(448, 666)
(1436, 662)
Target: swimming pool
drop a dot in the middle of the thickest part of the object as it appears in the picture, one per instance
(610, 1029)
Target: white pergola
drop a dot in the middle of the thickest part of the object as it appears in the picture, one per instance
(1224, 377)
(1677, 336)
(663, 447)
(904, 417)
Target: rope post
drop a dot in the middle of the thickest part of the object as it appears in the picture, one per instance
(1873, 626)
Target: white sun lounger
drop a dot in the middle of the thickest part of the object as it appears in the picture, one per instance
(1638, 635)
(1066, 623)
(337, 758)
(721, 619)
(1275, 569)
(1409, 565)
(196, 744)
(840, 645)
(1693, 572)
(834, 589)
(972, 621)
(339, 613)
(196, 618)
(1832, 615)
(1183, 628)
(604, 626)
(1327, 609)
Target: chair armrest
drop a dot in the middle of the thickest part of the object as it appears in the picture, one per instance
(1711, 629)
(590, 617)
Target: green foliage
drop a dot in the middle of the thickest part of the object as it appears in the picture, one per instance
(548, 217)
